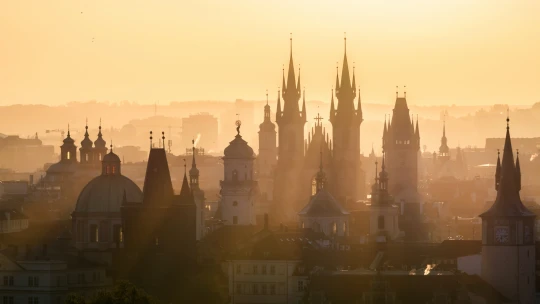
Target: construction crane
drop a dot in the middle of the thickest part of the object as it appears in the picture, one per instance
(61, 131)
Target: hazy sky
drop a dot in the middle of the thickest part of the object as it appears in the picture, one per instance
(461, 51)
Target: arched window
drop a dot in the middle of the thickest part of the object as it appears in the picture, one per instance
(303, 225)
(107, 170)
(68, 155)
(113, 170)
(380, 222)
(86, 156)
(344, 227)
(99, 156)
(235, 203)
(334, 228)
(235, 176)
(314, 185)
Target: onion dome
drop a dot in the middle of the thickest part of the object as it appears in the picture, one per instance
(100, 142)
(68, 140)
(86, 143)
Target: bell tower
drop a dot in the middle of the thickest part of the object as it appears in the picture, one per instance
(290, 121)
(349, 179)
(508, 240)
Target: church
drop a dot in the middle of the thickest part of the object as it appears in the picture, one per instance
(295, 172)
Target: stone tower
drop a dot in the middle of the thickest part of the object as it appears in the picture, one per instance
(267, 158)
(508, 241)
(68, 150)
(239, 190)
(401, 144)
(291, 121)
(349, 181)
(86, 151)
(100, 147)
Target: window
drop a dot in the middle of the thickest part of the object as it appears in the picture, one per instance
(263, 269)
(68, 155)
(344, 227)
(380, 222)
(239, 288)
(86, 156)
(113, 169)
(107, 170)
(156, 241)
(235, 203)
(314, 185)
(255, 289)
(8, 280)
(117, 234)
(272, 289)
(99, 156)
(33, 300)
(238, 269)
(235, 220)
(303, 225)
(334, 228)
(272, 269)
(255, 269)
(300, 285)
(8, 300)
(263, 289)
(33, 281)
(94, 233)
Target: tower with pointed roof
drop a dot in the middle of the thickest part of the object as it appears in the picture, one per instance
(198, 195)
(401, 144)
(290, 120)
(163, 223)
(267, 157)
(508, 234)
(100, 147)
(346, 118)
(324, 213)
(444, 150)
(239, 189)
(383, 224)
(68, 150)
(86, 150)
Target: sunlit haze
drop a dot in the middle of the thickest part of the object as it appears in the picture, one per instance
(445, 52)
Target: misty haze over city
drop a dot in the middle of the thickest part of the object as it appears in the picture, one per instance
(276, 152)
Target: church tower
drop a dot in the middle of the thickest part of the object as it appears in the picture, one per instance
(401, 143)
(238, 188)
(291, 121)
(508, 241)
(346, 119)
(68, 150)
(267, 158)
(444, 151)
(198, 195)
(383, 223)
(86, 148)
(100, 147)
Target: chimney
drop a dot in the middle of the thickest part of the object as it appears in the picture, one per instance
(266, 221)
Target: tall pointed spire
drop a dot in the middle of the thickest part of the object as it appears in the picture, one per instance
(332, 107)
(518, 171)
(283, 85)
(337, 78)
(345, 86)
(278, 107)
(498, 170)
(508, 202)
(303, 103)
(359, 112)
(291, 85)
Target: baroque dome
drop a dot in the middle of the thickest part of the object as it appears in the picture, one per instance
(105, 193)
(238, 148)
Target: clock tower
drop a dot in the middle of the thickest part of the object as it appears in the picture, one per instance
(508, 251)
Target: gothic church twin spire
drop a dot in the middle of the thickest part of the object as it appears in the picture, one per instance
(291, 93)
(345, 92)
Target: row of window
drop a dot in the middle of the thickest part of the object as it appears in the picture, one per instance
(264, 269)
(33, 281)
(256, 289)
(11, 300)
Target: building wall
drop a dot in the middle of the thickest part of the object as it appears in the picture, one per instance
(264, 281)
(471, 264)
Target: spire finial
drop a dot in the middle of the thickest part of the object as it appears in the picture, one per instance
(290, 39)
(86, 127)
(405, 91)
(111, 147)
(163, 138)
(238, 124)
(185, 167)
(100, 123)
(507, 118)
(266, 96)
(345, 40)
(396, 91)
(151, 141)
(68, 135)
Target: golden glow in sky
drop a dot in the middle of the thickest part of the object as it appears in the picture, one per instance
(445, 52)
